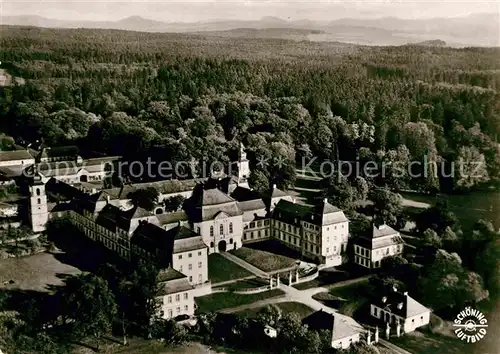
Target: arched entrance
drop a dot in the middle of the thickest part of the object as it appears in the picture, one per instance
(222, 246)
(83, 178)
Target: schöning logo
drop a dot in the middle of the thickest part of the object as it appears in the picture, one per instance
(471, 325)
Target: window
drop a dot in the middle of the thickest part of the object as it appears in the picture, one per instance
(231, 241)
(200, 278)
(375, 311)
(198, 230)
(177, 297)
(170, 299)
(190, 255)
(221, 229)
(199, 253)
(180, 269)
(39, 201)
(199, 264)
(230, 227)
(259, 223)
(180, 256)
(190, 278)
(186, 308)
(327, 250)
(178, 310)
(185, 296)
(170, 314)
(211, 232)
(38, 191)
(190, 266)
(211, 245)
(328, 239)
(252, 225)
(327, 229)
(421, 318)
(413, 321)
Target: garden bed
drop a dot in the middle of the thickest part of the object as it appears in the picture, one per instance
(219, 301)
(221, 269)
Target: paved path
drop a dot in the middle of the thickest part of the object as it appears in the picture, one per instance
(244, 264)
(326, 288)
(393, 347)
(214, 285)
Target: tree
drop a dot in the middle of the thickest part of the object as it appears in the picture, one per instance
(393, 264)
(472, 168)
(446, 284)
(146, 198)
(174, 203)
(437, 218)
(259, 181)
(143, 294)
(174, 333)
(88, 300)
(269, 315)
(295, 337)
(431, 238)
(387, 205)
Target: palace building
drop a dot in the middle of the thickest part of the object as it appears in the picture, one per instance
(217, 215)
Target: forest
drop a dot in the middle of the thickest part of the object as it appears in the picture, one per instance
(187, 97)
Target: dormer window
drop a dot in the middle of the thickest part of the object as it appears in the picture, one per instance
(400, 306)
(384, 299)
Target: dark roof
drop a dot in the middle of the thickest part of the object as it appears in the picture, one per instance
(321, 320)
(168, 274)
(170, 218)
(382, 230)
(400, 304)
(15, 155)
(59, 190)
(60, 151)
(242, 194)
(175, 286)
(290, 213)
(379, 237)
(151, 238)
(319, 212)
(205, 204)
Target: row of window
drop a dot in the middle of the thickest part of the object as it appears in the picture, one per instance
(170, 312)
(221, 229)
(177, 298)
(366, 262)
(190, 254)
(190, 266)
(258, 223)
(259, 234)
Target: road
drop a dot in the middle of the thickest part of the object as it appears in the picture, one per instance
(304, 297)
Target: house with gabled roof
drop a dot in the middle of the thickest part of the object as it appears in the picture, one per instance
(319, 232)
(395, 307)
(343, 333)
(380, 242)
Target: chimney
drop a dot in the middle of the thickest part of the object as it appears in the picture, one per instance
(384, 299)
(293, 200)
(107, 199)
(274, 186)
(400, 306)
(395, 289)
(405, 293)
(325, 200)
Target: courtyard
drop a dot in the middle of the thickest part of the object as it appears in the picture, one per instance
(266, 261)
(221, 269)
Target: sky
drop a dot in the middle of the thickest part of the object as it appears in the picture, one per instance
(201, 10)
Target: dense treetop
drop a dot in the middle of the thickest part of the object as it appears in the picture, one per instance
(196, 97)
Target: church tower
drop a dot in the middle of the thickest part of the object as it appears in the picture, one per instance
(243, 166)
(39, 214)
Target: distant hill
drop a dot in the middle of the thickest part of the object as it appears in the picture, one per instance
(473, 30)
(432, 43)
(297, 34)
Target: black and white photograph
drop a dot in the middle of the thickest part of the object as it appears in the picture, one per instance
(250, 177)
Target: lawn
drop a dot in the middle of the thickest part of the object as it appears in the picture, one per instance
(221, 269)
(265, 261)
(246, 284)
(219, 301)
(285, 307)
(355, 296)
(34, 272)
(427, 343)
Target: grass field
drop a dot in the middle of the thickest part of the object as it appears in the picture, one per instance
(221, 269)
(219, 301)
(323, 279)
(246, 284)
(427, 343)
(356, 295)
(34, 272)
(285, 307)
(265, 261)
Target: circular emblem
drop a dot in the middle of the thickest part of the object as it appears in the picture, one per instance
(470, 325)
